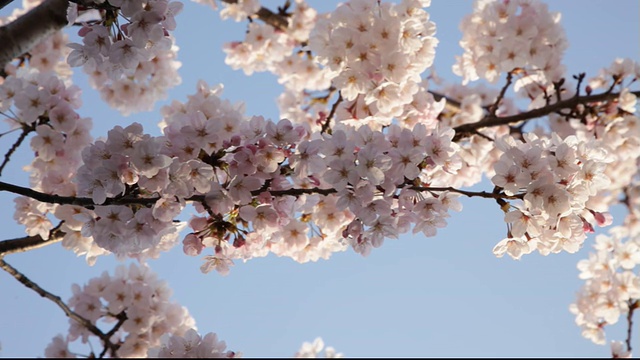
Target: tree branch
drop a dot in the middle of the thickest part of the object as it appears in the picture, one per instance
(633, 305)
(492, 120)
(24, 244)
(494, 108)
(125, 200)
(73, 200)
(4, 3)
(327, 122)
(267, 16)
(482, 194)
(16, 145)
(19, 36)
(56, 299)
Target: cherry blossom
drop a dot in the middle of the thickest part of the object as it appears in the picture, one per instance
(367, 146)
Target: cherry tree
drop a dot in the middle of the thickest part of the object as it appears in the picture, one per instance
(370, 143)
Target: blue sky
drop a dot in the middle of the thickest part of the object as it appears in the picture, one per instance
(415, 296)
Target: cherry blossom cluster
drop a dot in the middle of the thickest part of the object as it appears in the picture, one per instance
(376, 53)
(263, 186)
(615, 123)
(41, 103)
(263, 47)
(554, 178)
(312, 350)
(357, 173)
(618, 72)
(138, 307)
(239, 10)
(503, 35)
(283, 52)
(192, 345)
(133, 64)
(369, 76)
(129, 162)
(295, 68)
(611, 286)
(269, 48)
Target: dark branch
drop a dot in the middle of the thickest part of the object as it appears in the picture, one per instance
(327, 122)
(122, 317)
(73, 200)
(19, 36)
(269, 17)
(14, 147)
(492, 120)
(56, 299)
(632, 306)
(4, 3)
(24, 244)
(494, 108)
(127, 200)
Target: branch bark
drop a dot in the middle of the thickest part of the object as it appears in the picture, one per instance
(269, 17)
(4, 3)
(19, 36)
(27, 243)
(492, 120)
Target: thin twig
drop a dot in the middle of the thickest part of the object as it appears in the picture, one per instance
(56, 300)
(122, 317)
(73, 200)
(632, 306)
(494, 108)
(14, 147)
(325, 126)
(580, 78)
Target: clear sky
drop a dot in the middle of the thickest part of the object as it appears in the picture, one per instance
(415, 296)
